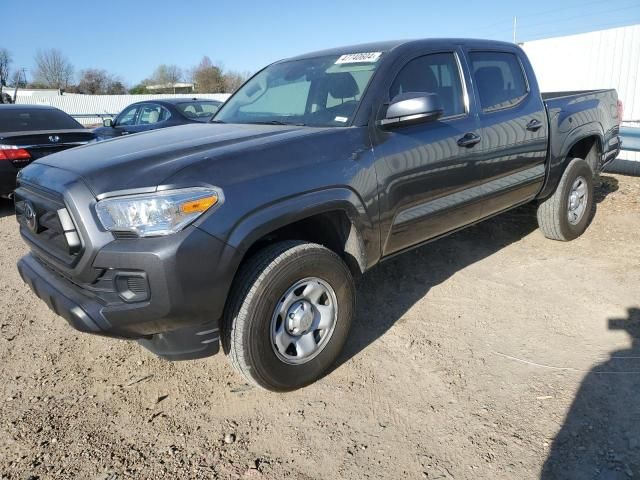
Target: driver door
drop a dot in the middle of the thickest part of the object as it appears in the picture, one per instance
(428, 171)
(126, 121)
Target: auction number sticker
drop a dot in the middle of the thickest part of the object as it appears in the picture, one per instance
(369, 57)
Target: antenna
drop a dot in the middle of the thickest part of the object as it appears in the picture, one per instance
(515, 27)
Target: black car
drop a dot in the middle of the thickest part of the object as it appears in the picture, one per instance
(151, 115)
(29, 132)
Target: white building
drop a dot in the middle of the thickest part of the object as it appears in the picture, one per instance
(602, 59)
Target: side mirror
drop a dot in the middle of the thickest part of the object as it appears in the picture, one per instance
(410, 108)
(107, 122)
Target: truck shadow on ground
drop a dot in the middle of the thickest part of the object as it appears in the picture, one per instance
(600, 437)
(6, 208)
(390, 289)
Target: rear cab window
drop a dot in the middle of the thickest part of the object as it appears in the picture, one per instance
(499, 78)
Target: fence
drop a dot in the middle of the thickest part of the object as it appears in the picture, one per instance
(91, 109)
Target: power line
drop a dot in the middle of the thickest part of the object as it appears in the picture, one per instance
(576, 30)
(627, 7)
(507, 22)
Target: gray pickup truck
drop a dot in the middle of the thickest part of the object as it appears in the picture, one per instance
(249, 231)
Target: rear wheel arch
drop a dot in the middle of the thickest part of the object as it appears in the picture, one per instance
(588, 148)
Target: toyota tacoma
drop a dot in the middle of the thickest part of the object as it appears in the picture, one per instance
(247, 232)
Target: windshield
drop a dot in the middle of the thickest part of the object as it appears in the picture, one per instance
(20, 120)
(323, 91)
(202, 111)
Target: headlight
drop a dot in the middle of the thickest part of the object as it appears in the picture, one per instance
(159, 213)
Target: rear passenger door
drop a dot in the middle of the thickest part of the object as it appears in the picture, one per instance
(514, 128)
(426, 170)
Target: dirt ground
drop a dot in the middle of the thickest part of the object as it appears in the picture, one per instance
(494, 353)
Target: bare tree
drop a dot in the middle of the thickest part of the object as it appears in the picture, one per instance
(168, 75)
(100, 82)
(207, 77)
(5, 64)
(53, 69)
(234, 80)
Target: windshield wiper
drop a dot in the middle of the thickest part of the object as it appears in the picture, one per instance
(277, 122)
(216, 121)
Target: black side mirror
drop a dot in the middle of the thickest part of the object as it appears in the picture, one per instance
(107, 122)
(410, 108)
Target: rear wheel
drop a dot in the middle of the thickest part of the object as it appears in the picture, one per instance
(288, 315)
(566, 214)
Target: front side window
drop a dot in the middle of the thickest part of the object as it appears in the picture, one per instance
(322, 91)
(128, 117)
(499, 79)
(436, 73)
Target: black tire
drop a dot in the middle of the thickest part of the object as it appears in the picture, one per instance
(624, 167)
(553, 212)
(259, 285)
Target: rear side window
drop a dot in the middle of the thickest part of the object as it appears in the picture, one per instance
(151, 114)
(436, 73)
(198, 110)
(22, 120)
(499, 79)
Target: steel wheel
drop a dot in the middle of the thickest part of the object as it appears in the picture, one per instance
(577, 201)
(303, 321)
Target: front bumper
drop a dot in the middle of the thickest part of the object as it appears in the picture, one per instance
(184, 280)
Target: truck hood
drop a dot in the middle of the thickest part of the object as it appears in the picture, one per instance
(147, 159)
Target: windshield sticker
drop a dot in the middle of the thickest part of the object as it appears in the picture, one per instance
(370, 57)
(341, 119)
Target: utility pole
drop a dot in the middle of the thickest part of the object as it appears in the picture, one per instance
(515, 27)
(15, 90)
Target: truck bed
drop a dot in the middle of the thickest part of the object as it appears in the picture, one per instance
(574, 93)
(572, 112)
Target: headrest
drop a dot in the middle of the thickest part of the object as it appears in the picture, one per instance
(342, 85)
(415, 78)
(490, 76)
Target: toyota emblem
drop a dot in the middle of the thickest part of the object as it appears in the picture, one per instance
(31, 217)
(54, 138)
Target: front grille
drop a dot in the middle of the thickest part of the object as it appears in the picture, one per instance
(46, 223)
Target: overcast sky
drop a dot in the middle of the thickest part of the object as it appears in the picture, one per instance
(130, 38)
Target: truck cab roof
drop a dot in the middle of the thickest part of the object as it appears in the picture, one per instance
(392, 45)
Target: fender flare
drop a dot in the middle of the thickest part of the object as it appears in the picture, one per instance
(558, 158)
(272, 217)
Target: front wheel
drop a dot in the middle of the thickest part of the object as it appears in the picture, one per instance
(566, 214)
(288, 315)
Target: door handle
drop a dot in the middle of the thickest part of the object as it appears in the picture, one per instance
(125, 133)
(469, 140)
(534, 125)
